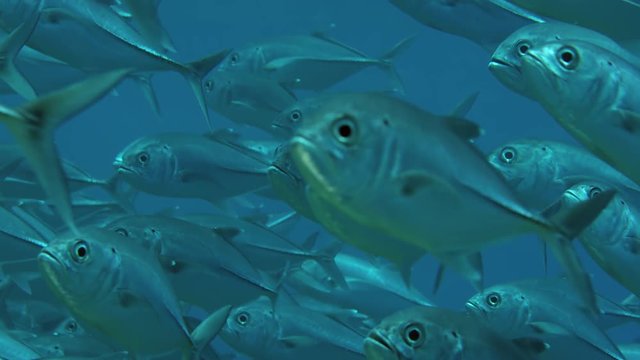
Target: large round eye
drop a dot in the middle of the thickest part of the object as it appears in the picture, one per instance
(295, 116)
(208, 85)
(235, 57)
(345, 130)
(594, 192)
(493, 299)
(143, 157)
(508, 155)
(522, 47)
(71, 326)
(568, 57)
(122, 232)
(243, 318)
(80, 251)
(413, 335)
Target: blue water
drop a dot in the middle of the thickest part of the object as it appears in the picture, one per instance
(438, 71)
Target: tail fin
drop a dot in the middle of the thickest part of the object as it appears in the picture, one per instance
(33, 125)
(327, 259)
(144, 81)
(569, 223)
(9, 49)
(387, 61)
(194, 73)
(208, 329)
(467, 265)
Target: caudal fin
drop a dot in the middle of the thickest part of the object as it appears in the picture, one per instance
(33, 125)
(196, 71)
(388, 58)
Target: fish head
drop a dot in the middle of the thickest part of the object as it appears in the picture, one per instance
(408, 334)
(503, 308)
(250, 59)
(218, 89)
(342, 145)
(147, 162)
(506, 60)
(291, 118)
(252, 326)
(79, 268)
(69, 327)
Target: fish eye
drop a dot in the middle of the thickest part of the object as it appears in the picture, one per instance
(235, 57)
(143, 157)
(80, 251)
(493, 299)
(122, 232)
(295, 116)
(594, 192)
(71, 327)
(243, 318)
(413, 335)
(568, 57)
(508, 155)
(523, 46)
(345, 130)
(208, 85)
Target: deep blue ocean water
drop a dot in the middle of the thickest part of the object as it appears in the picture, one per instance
(438, 71)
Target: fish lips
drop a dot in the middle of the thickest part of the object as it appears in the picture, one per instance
(378, 347)
(311, 164)
(508, 74)
(50, 264)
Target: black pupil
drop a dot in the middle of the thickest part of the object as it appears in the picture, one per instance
(523, 48)
(567, 56)
(81, 251)
(493, 300)
(344, 130)
(234, 58)
(243, 318)
(295, 116)
(508, 155)
(595, 192)
(144, 158)
(414, 335)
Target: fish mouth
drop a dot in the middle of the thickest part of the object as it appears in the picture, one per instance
(378, 347)
(50, 261)
(312, 167)
(121, 168)
(474, 308)
(496, 63)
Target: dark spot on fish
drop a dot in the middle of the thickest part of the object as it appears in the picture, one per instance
(609, 63)
(629, 125)
(53, 18)
(544, 148)
(385, 121)
(632, 246)
(455, 334)
(113, 250)
(126, 299)
(208, 85)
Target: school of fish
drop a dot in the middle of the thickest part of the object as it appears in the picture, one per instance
(320, 203)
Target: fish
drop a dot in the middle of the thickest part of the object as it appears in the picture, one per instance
(359, 152)
(541, 170)
(437, 333)
(613, 239)
(506, 60)
(597, 16)
(198, 262)
(103, 41)
(481, 22)
(246, 98)
(374, 287)
(308, 62)
(119, 289)
(590, 92)
(10, 348)
(265, 330)
(32, 126)
(528, 307)
(173, 165)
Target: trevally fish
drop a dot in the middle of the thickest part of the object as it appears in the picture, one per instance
(197, 261)
(118, 288)
(267, 249)
(33, 124)
(311, 62)
(103, 41)
(597, 16)
(425, 333)
(268, 331)
(613, 239)
(541, 170)
(480, 21)
(591, 92)
(246, 98)
(374, 288)
(211, 167)
(528, 307)
(506, 61)
(416, 177)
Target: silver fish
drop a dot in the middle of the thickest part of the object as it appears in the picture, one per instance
(591, 92)
(312, 62)
(541, 170)
(426, 333)
(529, 307)
(414, 163)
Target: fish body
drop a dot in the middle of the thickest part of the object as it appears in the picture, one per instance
(593, 94)
(425, 333)
(192, 166)
(312, 62)
(541, 170)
